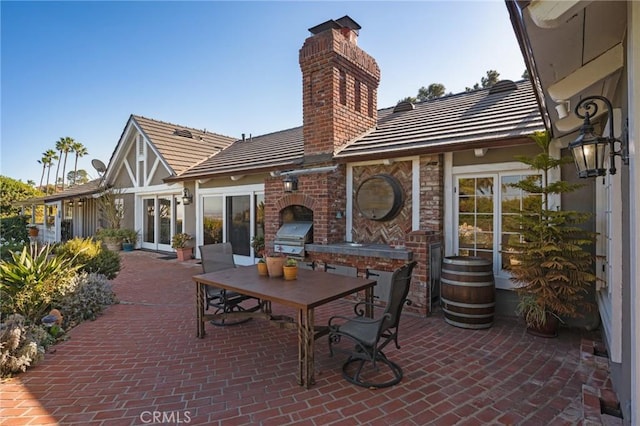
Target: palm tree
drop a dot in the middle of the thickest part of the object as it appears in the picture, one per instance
(47, 160)
(64, 147)
(80, 151)
(44, 167)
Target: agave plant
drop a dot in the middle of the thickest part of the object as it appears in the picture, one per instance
(30, 280)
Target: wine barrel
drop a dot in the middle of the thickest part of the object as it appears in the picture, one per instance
(468, 291)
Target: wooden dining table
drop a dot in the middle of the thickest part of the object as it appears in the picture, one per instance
(310, 290)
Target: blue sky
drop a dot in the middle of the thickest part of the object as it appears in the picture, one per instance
(80, 69)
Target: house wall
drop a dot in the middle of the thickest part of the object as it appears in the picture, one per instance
(128, 217)
(226, 181)
(494, 155)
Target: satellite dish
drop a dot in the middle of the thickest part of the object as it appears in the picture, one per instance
(98, 165)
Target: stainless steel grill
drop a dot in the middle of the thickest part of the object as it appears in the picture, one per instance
(291, 238)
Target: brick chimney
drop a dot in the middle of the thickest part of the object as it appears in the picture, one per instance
(339, 86)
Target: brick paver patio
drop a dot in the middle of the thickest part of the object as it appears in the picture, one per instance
(140, 363)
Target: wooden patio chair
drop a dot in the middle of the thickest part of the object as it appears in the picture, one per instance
(372, 335)
(217, 257)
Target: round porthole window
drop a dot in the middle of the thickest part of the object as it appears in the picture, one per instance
(379, 197)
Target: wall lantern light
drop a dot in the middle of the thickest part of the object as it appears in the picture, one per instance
(79, 203)
(590, 150)
(187, 198)
(290, 183)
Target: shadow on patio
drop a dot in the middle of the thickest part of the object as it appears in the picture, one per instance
(140, 363)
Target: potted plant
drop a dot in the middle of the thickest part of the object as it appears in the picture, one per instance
(549, 258)
(33, 230)
(258, 245)
(275, 264)
(290, 269)
(180, 242)
(129, 239)
(111, 237)
(262, 268)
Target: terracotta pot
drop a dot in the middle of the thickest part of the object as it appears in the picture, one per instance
(274, 265)
(184, 253)
(290, 272)
(262, 269)
(33, 232)
(549, 329)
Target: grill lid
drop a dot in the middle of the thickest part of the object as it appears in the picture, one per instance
(294, 231)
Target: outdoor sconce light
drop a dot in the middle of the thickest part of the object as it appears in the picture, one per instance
(187, 198)
(590, 150)
(79, 203)
(290, 183)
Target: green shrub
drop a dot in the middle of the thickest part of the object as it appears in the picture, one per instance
(20, 345)
(84, 299)
(91, 256)
(30, 280)
(13, 235)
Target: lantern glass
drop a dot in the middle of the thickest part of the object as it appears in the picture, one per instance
(589, 152)
(290, 184)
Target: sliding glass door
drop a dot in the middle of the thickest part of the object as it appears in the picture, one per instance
(234, 216)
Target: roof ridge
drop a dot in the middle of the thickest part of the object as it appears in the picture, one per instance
(204, 131)
(452, 95)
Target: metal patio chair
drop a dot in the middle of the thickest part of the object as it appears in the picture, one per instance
(217, 257)
(372, 335)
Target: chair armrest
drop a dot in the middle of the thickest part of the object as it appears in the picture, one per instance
(359, 308)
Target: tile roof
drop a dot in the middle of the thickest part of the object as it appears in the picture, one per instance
(76, 191)
(451, 122)
(181, 147)
(260, 153)
(83, 190)
(462, 121)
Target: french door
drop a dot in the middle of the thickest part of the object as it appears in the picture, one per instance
(159, 222)
(486, 210)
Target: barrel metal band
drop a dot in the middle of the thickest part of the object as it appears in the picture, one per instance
(469, 305)
(466, 284)
(468, 273)
(461, 315)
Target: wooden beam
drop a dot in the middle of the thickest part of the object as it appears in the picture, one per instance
(589, 74)
(553, 13)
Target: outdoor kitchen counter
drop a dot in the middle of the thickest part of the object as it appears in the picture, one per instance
(365, 250)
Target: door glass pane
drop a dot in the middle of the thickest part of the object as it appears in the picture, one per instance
(239, 223)
(149, 220)
(165, 220)
(259, 219)
(475, 216)
(515, 201)
(212, 220)
(179, 214)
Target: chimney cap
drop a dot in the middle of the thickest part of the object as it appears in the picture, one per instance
(344, 22)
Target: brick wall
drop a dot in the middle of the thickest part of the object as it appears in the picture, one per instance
(323, 193)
